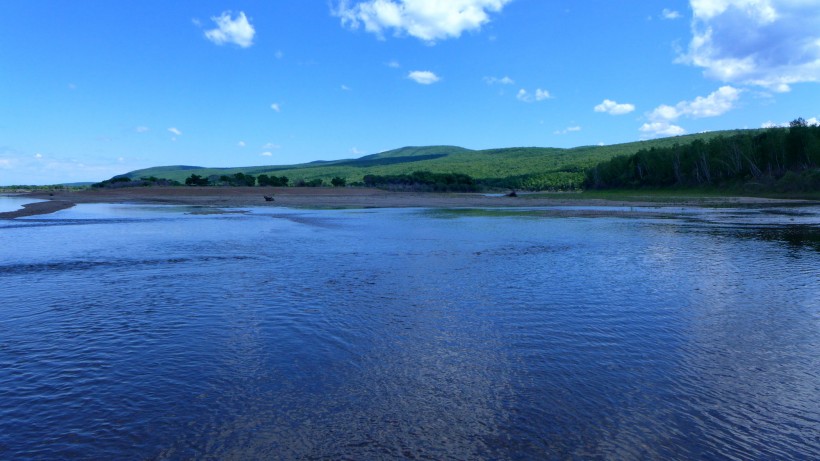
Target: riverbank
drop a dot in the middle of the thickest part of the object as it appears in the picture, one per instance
(303, 197)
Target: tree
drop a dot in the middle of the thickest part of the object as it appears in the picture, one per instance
(196, 180)
(272, 181)
(338, 182)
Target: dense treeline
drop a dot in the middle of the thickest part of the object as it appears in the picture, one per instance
(423, 181)
(124, 181)
(236, 180)
(783, 159)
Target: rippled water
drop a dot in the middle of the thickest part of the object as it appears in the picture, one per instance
(131, 332)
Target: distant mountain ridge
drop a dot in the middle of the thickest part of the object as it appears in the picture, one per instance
(521, 167)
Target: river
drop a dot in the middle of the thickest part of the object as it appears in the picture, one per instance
(165, 332)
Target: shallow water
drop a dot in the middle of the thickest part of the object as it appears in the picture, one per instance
(134, 332)
(13, 203)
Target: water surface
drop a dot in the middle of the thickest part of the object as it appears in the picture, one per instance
(136, 332)
(14, 203)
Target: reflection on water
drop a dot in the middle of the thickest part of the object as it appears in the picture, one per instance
(158, 333)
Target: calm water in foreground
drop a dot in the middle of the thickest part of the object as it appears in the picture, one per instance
(131, 332)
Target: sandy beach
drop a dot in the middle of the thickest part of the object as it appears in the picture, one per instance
(303, 197)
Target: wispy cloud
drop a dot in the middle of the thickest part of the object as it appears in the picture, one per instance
(142, 129)
(271, 145)
(175, 131)
(613, 108)
(393, 64)
(767, 43)
(499, 81)
(275, 106)
(423, 77)
(47, 168)
(237, 31)
(670, 14)
(539, 95)
(427, 20)
(569, 129)
(266, 154)
(241, 144)
(813, 121)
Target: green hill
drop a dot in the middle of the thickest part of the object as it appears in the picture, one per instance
(536, 168)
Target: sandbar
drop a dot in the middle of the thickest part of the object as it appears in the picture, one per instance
(356, 198)
(37, 208)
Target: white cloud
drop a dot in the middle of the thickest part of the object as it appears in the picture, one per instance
(717, 103)
(501, 81)
(424, 77)
(279, 54)
(271, 145)
(266, 154)
(393, 64)
(356, 151)
(175, 131)
(38, 155)
(613, 108)
(142, 129)
(658, 129)
(427, 20)
(768, 43)
(345, 88)
(813, 121)
(275, 106)
(669, 14)
(241, 144)
(237, 31)
(540, 95)
(570, 129)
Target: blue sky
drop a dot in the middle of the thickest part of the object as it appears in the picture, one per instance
(94, 88)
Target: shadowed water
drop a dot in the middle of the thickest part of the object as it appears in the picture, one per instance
(133, 332)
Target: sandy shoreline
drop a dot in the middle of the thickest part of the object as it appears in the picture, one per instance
(293, 197)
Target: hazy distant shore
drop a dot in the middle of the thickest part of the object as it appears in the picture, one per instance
(300, 197)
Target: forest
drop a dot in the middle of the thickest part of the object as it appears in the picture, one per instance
(423, 181)
(775, 159)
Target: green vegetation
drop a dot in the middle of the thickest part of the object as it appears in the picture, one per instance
(423, 181)
(523, 168)
(124, 181)
(779, 160)
(265, 180)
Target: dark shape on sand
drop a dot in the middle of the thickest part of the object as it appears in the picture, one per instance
(268, 198)
(512, 194)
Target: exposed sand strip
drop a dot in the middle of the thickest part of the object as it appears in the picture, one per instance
(32, 209)
(305, 197)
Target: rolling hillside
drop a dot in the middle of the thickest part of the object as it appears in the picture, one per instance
(520, 167)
